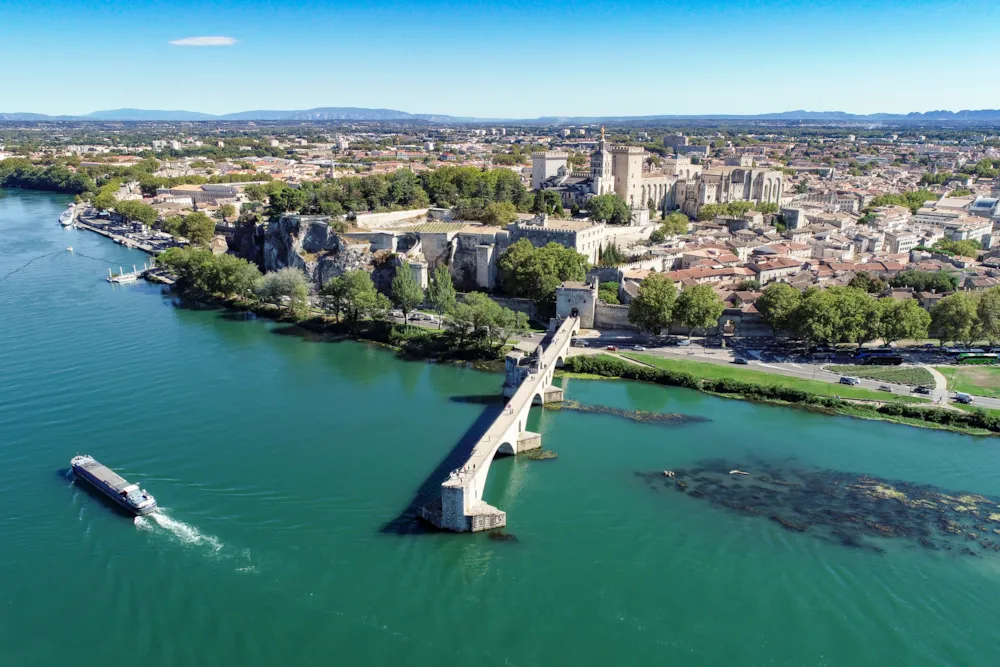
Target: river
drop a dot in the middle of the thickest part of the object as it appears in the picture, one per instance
(285, 467)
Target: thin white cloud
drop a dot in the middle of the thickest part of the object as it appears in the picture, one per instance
(203, 41)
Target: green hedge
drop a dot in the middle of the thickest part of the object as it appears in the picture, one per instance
(608, 367)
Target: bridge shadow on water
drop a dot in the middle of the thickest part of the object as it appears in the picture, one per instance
(409, 522)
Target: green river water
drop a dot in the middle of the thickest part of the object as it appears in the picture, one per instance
(285, 467)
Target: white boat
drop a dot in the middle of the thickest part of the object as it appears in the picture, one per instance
(66, 219)
(69, 248)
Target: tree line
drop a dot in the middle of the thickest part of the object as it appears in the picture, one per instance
(474, 324)
(470, 190)
(658, 305)
(841, 315)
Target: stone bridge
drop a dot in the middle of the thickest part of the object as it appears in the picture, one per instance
(529, 382)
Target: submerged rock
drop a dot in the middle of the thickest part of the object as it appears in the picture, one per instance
(502, 536)
(661, 418)
(540, 455)
(850, 509)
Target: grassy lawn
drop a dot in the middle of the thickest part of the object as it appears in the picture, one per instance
(978, 380)
(912, 375)
(970, 408)
(703, 369)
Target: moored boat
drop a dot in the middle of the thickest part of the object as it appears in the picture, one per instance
(67, 216)
(130, 496)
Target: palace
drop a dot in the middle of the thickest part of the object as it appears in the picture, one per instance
(678, 183)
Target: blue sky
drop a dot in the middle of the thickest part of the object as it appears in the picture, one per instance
(511, 58)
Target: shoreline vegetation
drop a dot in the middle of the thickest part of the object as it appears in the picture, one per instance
(447, 345)
(975, 422)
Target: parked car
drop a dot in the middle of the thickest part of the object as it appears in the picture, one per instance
(740, 361)
(611, 348)
(684, 342)
(849, 380)
(922, 389)
(639, 348)
(885, 387)
(582, 343)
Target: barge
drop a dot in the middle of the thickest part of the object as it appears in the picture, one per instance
(130, 496)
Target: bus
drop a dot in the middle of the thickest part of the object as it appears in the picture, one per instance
(882, 360)
(977, 359)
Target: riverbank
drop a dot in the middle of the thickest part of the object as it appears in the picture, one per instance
(976, 422)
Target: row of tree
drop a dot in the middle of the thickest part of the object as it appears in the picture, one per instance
(967, 317)
(841, 315)
(658, 305)
(21, 173)
(470, 190)
(735, 209)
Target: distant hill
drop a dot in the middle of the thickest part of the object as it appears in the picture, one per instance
(364, 114)
(321, 113)
(143, 114)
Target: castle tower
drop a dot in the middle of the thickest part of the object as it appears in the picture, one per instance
(628, 174)
(600, 168)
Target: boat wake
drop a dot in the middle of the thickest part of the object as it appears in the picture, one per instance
(186, 533)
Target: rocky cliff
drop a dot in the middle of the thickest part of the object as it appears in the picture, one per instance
(304, 242)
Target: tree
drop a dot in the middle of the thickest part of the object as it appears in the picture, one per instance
(748, 285)
(360, 298)
(968, 248)
(406, 293)
(855, 316)
(988, 312)
(286, 286)
(926, 281)
(777, 305)
(675, 224)
(136, 211)
(198, 228)
(609, 208)
(902, 319)
(481, 321)
(227, 211)
(612, 256)
(256, 193)
(698, 307)
(652, 308)
(535, 273)
(866, 282)
(954, 318)
(548, 202)
(441, 292)
(912, 200)
(334, 294)
(657, 235)
(608, 292)
(499, 214)
(816, 318)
